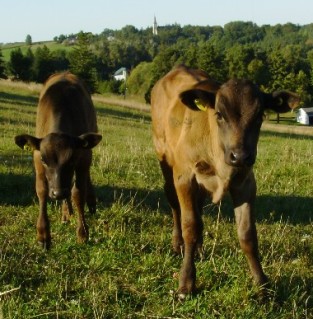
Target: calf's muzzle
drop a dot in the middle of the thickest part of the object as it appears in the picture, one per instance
(239, 157)
(58, 194)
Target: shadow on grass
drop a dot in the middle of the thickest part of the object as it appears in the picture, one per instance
(17, 189)
(286, 287)
(20, 190)
(292, 209)
(151, 199)
(125, 114)
(18, 99)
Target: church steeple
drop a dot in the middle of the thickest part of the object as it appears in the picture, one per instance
(155, 27)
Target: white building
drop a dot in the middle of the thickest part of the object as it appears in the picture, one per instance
(120, 74)
(305, 116)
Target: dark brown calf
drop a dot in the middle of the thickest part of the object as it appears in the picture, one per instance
(206, 135)
(66, 129)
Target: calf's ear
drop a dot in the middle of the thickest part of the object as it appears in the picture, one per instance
(89, 140)
(281, 101)
(25, 141)
(198, 100)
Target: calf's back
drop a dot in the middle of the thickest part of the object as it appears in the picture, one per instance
(65, 106)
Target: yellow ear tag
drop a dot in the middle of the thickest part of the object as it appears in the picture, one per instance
(27, 148)
(200, 106)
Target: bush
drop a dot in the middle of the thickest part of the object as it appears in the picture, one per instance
(140, 79)
(111, 86)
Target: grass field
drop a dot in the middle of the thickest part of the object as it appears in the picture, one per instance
(6, 49)
(127, 269)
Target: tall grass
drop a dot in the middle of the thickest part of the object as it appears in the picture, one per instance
(127, 269)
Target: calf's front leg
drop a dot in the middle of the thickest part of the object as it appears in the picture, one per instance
(43, 225)
(243, 199)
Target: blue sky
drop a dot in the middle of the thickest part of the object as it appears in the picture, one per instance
(44, 20)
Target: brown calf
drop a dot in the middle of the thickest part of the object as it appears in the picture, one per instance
(206, 135)
(66, 129)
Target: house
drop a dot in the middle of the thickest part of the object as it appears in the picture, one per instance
(305, 116)
(120, 74)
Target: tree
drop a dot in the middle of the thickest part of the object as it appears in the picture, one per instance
(59, 60)
(164, 62)
(82, 61)
(20, 65)
(28, 40)
(289, 69)
(29, 61)
(238, 58)
(258, 72)
(242, 32)
(2, 66)
(310, 61)
(43, 65)
(140, 79)
(211, 62)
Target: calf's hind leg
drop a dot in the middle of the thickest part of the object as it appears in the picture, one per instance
(79, 199)
(171, 195)
(67, 210)
(91, 196)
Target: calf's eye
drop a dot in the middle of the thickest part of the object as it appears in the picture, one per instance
(219, 115)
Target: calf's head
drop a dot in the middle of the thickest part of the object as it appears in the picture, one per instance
(239, 108)
(59, 154)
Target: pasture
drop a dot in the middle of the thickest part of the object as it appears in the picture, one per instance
(127, 269)
(51, 45)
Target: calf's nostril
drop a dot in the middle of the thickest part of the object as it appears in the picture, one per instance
(54, 193)
(233, 157)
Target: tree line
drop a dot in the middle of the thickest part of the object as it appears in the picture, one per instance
(274, 57)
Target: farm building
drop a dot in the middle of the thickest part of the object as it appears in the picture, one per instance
(305, 116)
(120, 74)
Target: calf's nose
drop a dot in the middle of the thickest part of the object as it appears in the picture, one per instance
(239, 157)
(59, 193)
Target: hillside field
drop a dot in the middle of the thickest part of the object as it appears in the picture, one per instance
(127, 269)
(6, 49)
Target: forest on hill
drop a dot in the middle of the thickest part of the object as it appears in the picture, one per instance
(274, 57)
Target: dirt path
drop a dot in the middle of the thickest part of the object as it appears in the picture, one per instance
(288, 129)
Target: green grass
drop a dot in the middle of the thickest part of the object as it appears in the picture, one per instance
(6, 49)
(127, 269)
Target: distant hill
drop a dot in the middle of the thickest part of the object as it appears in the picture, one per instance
(52, 46)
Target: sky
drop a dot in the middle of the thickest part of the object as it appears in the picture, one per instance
(43, 20)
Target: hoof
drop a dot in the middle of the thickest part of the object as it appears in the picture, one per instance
(181, 297)
(265, 292)
(178, 248)
(82, 240)
(65, 219)
(82, 233)
(46, 245)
